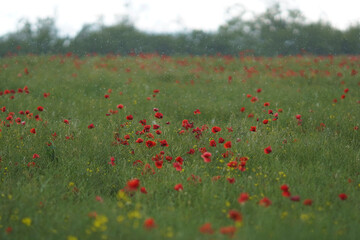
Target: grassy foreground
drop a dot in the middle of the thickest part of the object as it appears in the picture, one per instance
(154, 147)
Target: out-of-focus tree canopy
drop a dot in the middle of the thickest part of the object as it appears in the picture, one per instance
(270, 33)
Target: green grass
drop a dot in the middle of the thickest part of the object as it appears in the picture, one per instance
(56, 198)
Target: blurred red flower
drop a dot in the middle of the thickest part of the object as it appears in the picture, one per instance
(244, 197)
(343, 196)
(215, 129)
(149, 224)
(268, 150)
(265, 202)
(179, 187)
(206, 228)
(235, 215)
(227, 144)
(133, 184)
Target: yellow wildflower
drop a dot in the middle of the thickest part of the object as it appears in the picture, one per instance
(26, 221)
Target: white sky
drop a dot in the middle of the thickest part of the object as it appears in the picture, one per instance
(164, 15)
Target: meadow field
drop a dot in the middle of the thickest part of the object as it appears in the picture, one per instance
(159, 147)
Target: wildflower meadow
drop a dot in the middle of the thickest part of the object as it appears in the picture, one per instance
(190, 147)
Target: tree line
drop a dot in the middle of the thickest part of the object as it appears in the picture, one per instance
(267, 34)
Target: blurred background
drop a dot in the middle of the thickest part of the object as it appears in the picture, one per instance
(228, 27)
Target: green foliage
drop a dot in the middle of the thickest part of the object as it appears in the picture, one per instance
(71, 191)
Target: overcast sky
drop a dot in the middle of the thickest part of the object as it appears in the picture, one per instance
(164, 15)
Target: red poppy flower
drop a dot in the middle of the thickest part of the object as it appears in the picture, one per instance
(36, 156)
(212, 143)
(202, 150)
(33, 130)
(180, 160)
(159, 164)
(346, 90)
(298, 116)
(143, 190)
(266, 104)
(343, 96)
(268, 150)
(227, 144)
(244, 197)
(343, 196)
(179, 187)
(191, 151)
(139, 140)
(106, 96)
(206, 228)
(150, 143)
(231, 180)
(284, 188)
(133, 184)
(216, 129)
(91, 126)
(235, 215)
(18, 120)
(8, 230)
(164, 143)
(286, 194)
(26, 71)
(149, 224)
(31, 164)
(221, 140)
(159, 115)
(129, 117)
(177, 166)
(253, 128)
(265, 202)
(197, 111)
(206, 156)
(242, 109)
(259, 90)
(156, 91)
(99, 199)
(307, 202)
(120, 106)
(232, 164)
(295, 198)
(265, 121)
(147, 128)
(40, 108)
(112, 161)
(155, 126)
